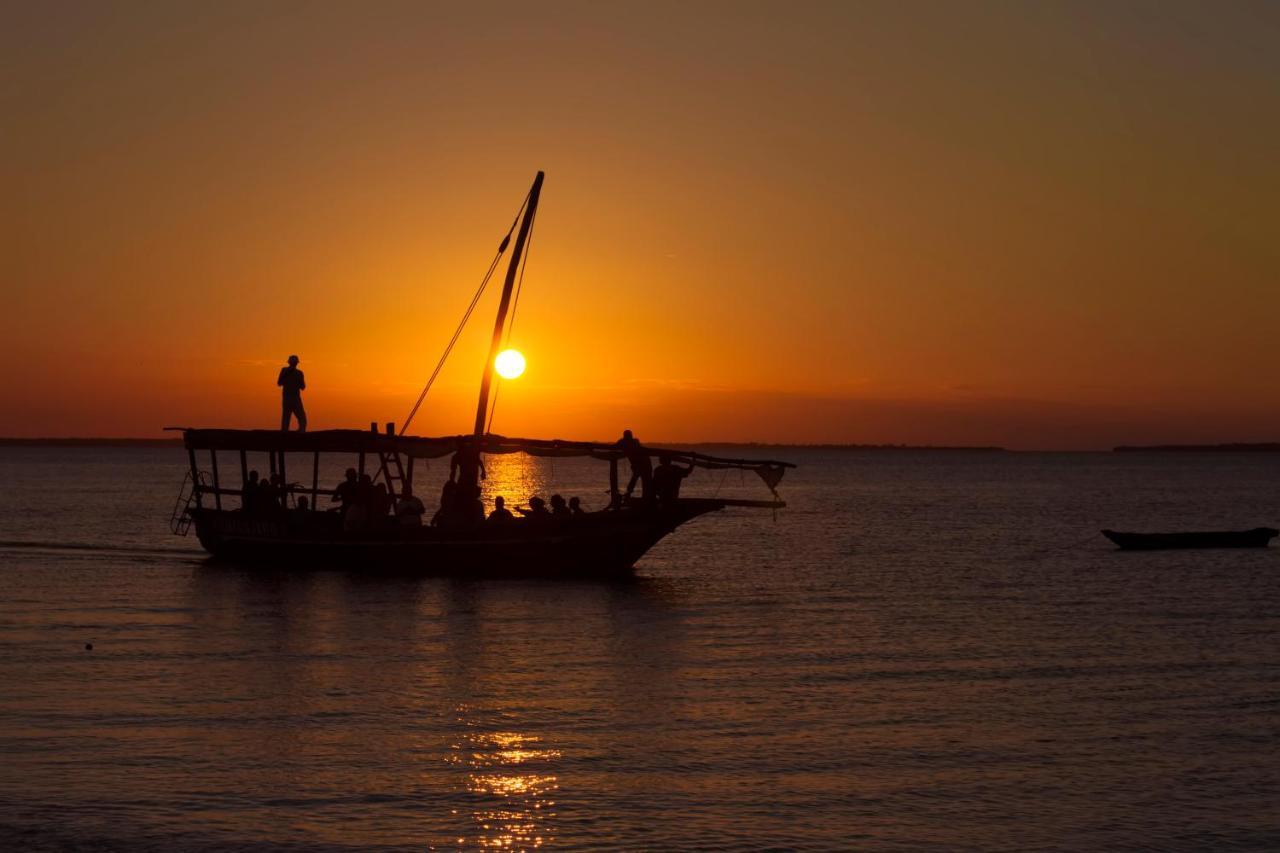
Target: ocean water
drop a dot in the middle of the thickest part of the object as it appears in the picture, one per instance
(922, 650)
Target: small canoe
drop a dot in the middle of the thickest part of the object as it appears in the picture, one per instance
(1258, 537)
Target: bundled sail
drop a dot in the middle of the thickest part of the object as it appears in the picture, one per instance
(423, 447)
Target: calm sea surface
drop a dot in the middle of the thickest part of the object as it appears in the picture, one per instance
(922, 650)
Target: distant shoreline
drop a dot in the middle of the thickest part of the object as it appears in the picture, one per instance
(177, 442)
(803, 446)
(1257, 447)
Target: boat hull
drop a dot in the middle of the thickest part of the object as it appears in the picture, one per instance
(603, 544)
(1259, 537)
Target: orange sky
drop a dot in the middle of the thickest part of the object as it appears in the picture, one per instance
(1034, 225)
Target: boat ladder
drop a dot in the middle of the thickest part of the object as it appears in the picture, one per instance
(188, 494)
(392, 470)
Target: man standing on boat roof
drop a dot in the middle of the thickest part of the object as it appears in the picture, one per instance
(291, 384)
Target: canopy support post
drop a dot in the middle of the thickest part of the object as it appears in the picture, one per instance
(195, 474)
(315, 480)
(217, 489)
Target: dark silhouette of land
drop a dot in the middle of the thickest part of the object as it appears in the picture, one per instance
(948, 448)
(1256, 447)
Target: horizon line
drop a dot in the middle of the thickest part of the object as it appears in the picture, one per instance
(166, 441)
(1237, 446)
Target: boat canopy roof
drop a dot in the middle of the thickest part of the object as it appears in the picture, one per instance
(423, 447)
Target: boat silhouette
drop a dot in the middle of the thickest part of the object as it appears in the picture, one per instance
(607, 542)
(1258, 537)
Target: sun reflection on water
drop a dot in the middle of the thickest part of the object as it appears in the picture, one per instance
(515, 477)
(514, 785)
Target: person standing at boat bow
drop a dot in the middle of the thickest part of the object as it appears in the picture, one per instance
(291, 384)
(641, 465)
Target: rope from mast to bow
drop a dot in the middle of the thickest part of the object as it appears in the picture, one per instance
(475, 300)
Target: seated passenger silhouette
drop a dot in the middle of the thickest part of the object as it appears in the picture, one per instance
(301, 512)
(409, 509)
(448, 496)
(575, 506)
(345, 492)
(667, 479)
(291, 384)
(249, 494)
(559, 509)
(537, 510)
(500, 514)
(357, 517)
(379, 502)
(641, 466)
(472, 506)
(265, 505)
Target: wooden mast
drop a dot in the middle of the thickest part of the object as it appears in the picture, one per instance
(482, 407)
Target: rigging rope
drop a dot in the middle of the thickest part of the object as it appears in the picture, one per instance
(723, 477)
(511, 321)
(502, 247)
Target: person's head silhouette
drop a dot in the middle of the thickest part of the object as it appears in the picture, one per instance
(293, 361)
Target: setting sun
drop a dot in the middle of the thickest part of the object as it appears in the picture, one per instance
(509, 363)
(978, 299)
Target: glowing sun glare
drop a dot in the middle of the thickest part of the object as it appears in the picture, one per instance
(509, 364)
